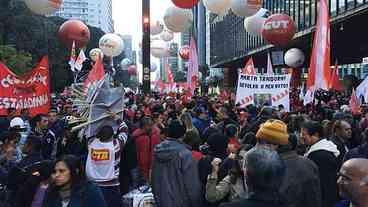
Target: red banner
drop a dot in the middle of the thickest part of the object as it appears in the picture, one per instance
(30, 91)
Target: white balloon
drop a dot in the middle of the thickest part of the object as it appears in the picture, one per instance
(167, 35)
(178, 20)
(153, 67)
(111, 45)
(43, 7)
(159, 49)
(125, 62)
(262, 12)
(219, 7)
(245, 8)
(156, 27)
(253, 25)
(94, 53)
(294, 57)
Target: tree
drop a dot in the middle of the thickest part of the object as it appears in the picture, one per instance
(18, 62)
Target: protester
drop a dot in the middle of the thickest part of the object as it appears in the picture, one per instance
(69, 187)
(34, 188)
(146, 138)
(353, 182)
(191, 136)
(324, 154)
(175, 180)
(102, 167)
(297, 190)
(361, 151)
(342, 135)
(263, 171)
(201, 120)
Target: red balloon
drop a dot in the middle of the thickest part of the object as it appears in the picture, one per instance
(185, 4)
(184, 52)
(278, 29)
(74, 30)
(132, 70)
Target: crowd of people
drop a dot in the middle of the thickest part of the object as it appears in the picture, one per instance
(198, 152)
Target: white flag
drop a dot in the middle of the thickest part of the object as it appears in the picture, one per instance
(72, 58)
(301, 94)
(80, 60)
(362, 90)
(269, 65)
(309, 96)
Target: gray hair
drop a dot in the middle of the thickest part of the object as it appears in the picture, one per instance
(264, 169)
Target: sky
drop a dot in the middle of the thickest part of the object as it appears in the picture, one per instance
(127, 16)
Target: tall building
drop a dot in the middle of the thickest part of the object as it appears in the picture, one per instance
(185, 40)
(97, 13)
(128, 45)
(173, 58)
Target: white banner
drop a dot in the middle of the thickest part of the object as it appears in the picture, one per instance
(259, 89)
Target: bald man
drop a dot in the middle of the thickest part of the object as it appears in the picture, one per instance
(353, 182)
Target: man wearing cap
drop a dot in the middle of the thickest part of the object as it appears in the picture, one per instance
(301, 184)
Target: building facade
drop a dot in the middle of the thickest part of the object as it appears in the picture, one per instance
(97, 13)
(128, 46)
(230, 45)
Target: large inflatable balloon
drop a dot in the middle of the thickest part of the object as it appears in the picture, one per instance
(245, 8)
(74, 30)
(156, 27)
(160, 49)
(253, 25)
(95, 53)
(294, 58)
(178, 20)
(125, 62)
(153, 67)
(132, 70)
(167, 35)
(184, 52)
(278, 29)
(43, 7)
(185, 4)
(111, 45)
(219, 7)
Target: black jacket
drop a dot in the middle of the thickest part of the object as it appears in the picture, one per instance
(342, 147)
(175, 180)
(359, 152)
(263, 199)
(324, 154)
(301, 184)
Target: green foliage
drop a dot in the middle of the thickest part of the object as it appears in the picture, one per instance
(38, 35)
(18, 62)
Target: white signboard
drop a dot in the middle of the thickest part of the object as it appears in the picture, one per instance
(260, 89)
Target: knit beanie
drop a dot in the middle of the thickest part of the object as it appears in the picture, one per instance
(273, 131)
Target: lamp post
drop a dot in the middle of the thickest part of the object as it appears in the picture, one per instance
(146, 47)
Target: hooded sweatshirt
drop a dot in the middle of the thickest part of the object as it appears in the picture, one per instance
(325, 154)
(175, 180)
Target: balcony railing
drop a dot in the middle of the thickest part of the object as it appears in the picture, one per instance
(229, 40)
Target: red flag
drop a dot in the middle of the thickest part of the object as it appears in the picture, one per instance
(96, 74)
(334, 82)
(30, 91)
(354, 103)
(249, 68)
(319, 71)
(192, 75)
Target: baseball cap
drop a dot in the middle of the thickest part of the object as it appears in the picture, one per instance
(17, 123)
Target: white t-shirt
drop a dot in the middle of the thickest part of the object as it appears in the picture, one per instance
(100, 161)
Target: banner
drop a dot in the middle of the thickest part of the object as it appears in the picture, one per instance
(258, 90)
(31, 91)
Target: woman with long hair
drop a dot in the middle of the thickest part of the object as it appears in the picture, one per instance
(69, 187)
(191, 136)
